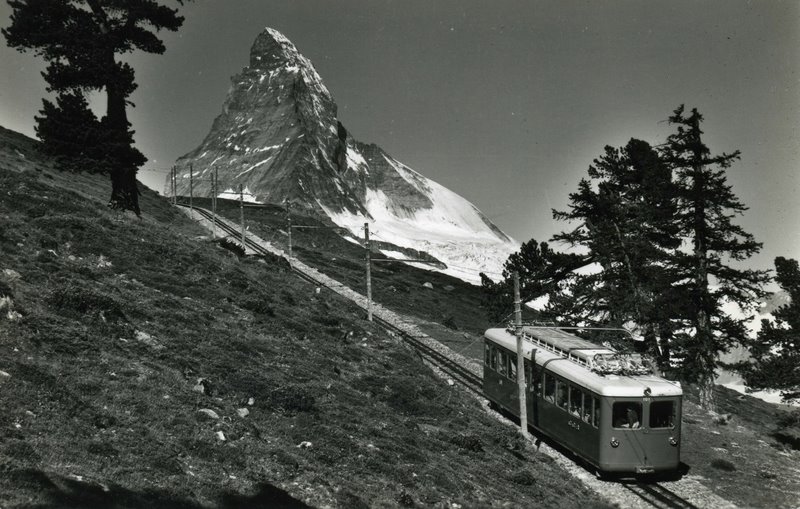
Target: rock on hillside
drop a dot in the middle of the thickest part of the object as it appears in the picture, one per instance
(279, 137)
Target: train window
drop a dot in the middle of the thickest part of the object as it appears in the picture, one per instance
(561, 394)
(549, 388)
(596, 412)
(512, 366)
(575, 401)
(527, 372)
(493, 360)
(487, 359)
(662, 414)
(502, 363)
(626, 414)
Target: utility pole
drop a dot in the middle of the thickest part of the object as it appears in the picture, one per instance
(191, 189)
(523, 407)
(289, 226)
(241, 216)
(214, 203)
(369, 275)
(172, 185)
(175, 185)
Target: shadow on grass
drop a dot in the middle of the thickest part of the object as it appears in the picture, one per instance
(60, 492)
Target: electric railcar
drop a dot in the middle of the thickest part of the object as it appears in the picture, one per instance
(606, 408)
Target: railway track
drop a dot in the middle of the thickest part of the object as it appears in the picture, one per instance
(659, 496)
(459, 373)
(687, 494)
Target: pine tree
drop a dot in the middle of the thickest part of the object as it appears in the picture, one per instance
(704, 281)
(625, 212)
(81, 40)
(539, 268)
(70, 131)
(775, 353)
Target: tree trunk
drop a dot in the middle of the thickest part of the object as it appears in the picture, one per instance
(124, 190)
(706, 394)
(704, 336)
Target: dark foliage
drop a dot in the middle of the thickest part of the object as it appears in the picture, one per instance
(80, 40)
(788, 431)
(775, 353)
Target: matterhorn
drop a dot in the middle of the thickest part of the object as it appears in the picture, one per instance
(279, 137)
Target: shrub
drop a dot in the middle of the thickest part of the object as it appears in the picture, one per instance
(788, 431)
(721, 464)
(259, 304)
(523, 477)
(467, 442)
(293, 398)
(73, 298)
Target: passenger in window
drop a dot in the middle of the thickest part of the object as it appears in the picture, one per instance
(562, 398)
(575, 401)
(549, 389)
(596, 416)
(575, 408)
(632, 418)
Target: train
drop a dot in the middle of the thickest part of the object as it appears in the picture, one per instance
(609, 409)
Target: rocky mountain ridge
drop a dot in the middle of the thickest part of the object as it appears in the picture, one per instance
(280, 138)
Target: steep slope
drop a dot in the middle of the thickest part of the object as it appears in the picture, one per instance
(279, 138)
(117, 319)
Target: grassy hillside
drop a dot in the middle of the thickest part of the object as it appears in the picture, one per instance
(143, 365)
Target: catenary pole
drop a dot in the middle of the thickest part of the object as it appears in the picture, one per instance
(214, 203)
(289, 226)
(523, 407)
(191, 189)
(369, 272)
(241, 216)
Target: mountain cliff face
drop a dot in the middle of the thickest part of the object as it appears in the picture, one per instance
(279, 137)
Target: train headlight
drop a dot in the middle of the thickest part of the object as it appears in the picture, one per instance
(673, 441)
(647, 392)
(614, 442)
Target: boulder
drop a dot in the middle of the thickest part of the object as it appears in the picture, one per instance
(207, 412)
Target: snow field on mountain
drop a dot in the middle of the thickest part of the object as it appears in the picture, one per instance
(451, 230)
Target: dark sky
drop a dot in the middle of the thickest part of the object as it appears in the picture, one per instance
(504, 101)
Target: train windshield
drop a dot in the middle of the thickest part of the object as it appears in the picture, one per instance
(662, 414)
(627, 414)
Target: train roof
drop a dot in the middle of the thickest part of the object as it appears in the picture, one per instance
(565, 354)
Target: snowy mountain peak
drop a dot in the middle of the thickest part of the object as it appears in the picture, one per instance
(279, 137)
(272, 52)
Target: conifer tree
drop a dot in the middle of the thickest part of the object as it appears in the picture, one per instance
(704, 278)
(81, 40)
(625, 215)
(539, 268)
(775, 353)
